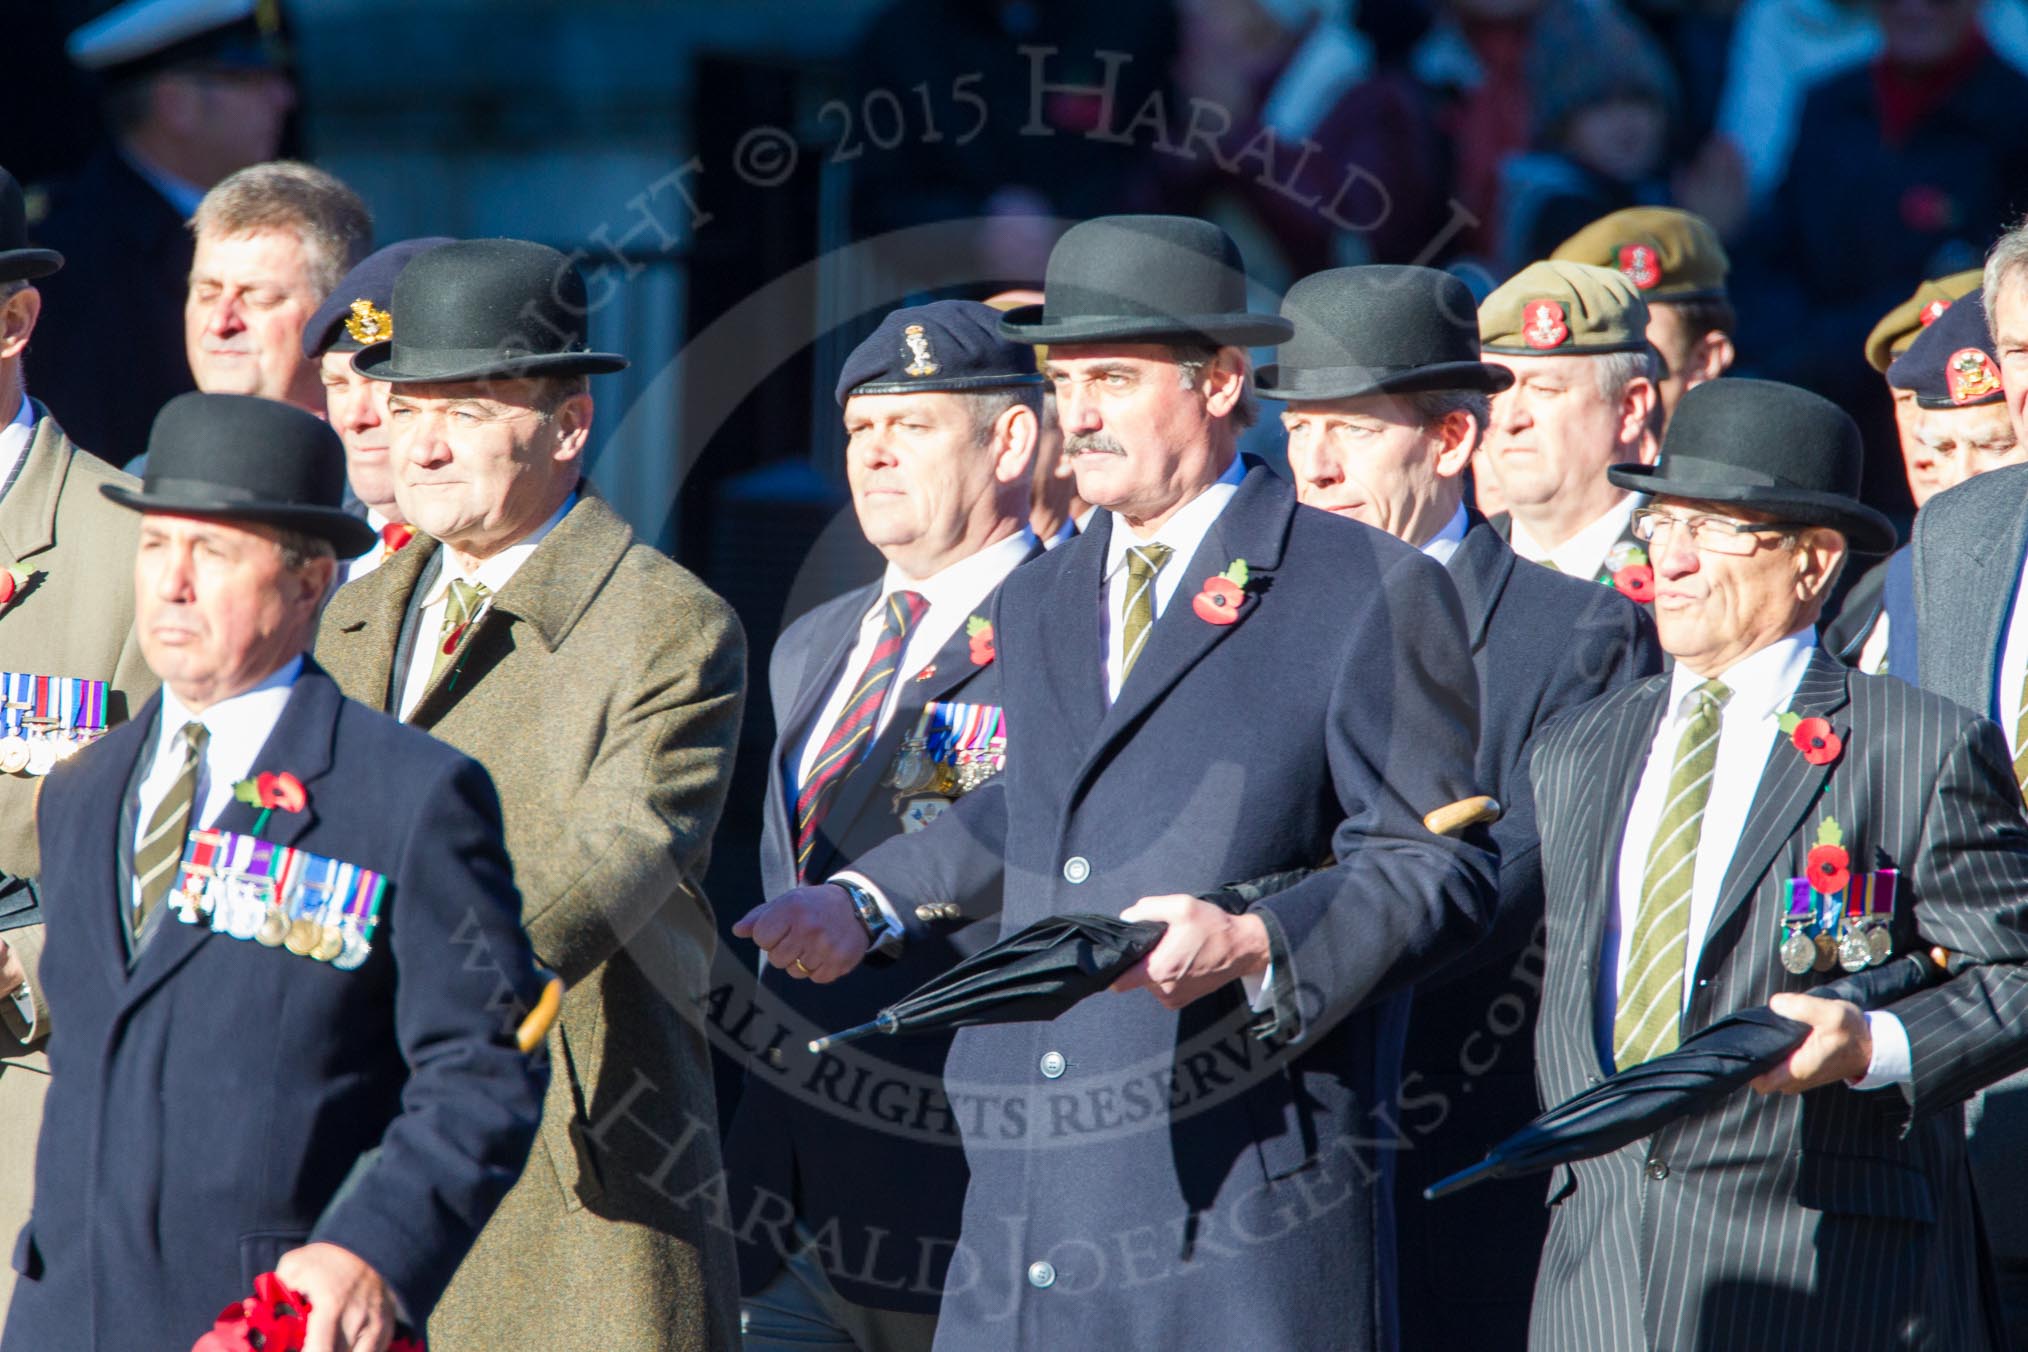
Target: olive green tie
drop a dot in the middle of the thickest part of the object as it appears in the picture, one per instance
(161, 844)
(467, 599)
(1138, 615)
(1651, 995)
(2020, 743)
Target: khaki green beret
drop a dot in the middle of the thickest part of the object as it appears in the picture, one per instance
(1668, 254)
(1899, 326)
(1562, 309)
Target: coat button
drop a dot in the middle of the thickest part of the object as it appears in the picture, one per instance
(1052, 1065)
(1657, 1170)
(1076, 869)
(775, 1057)
(1041, 1276)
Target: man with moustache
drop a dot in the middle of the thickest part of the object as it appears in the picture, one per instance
(352, 316)
(1725, 838)
(1385, 399)
(1131, 661)
(887, 711)
(1574, 338)
(273, 241)
(601, 684)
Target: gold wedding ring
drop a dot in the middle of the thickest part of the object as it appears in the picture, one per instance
(797, 963)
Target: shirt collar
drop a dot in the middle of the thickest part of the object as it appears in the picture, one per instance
(961, 585)
(1446, 541)
(496, 572)
(1584, 553)
(1184, 531)
(251, 711)
(14, 439)
(1762, 683)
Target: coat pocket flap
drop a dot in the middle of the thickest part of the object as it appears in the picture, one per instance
(1857, 1185)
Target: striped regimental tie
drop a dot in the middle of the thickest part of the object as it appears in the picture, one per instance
(463, 605)
(1144, 562)
(1651, 997)
(161, 846)
(2021, 743)
(857, 721)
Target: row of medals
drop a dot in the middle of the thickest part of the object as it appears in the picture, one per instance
(252, 910)
(38, 751)
(1865, 942)
(915, 773)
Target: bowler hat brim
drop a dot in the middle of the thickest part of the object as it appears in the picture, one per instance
(1295, 385)
(348, 535)
(25, 265)
(1865, 530)
(381, 362)
(1242, 329)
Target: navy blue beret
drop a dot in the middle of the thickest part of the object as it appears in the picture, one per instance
(945, 345)
(1952, 363)
(355, 314)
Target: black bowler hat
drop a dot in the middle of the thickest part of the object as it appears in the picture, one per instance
(355, 314)
(239, 458)
(947, 345)
(18, 262)
(1769, 446)
(1144, 279)
(1380, 329)
(486, 309)
(1952, 363)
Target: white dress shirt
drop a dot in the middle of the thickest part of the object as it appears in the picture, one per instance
(14, 439)
(1584, 553)
(2007, 691)
(235, 728)
(1183, 533)
(1763, 684)
(955, 594)
(1446, 541)
(492, 574)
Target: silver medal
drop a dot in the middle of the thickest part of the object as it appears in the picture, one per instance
(1880, 943)
(1853, 953)
(1799, 954)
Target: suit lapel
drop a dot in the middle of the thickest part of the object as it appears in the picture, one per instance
(1479, 568)
(1253, 526)
(830, 650)
(301, 744)
(1980, 558)
(28, 511)
(115, 868)
(1789, 785)
(1623, 750)
(1069, 632)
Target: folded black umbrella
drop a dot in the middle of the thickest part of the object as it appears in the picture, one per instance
(1027, 977)
(1640, 1100)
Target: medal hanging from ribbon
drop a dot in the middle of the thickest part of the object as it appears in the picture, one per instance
(279, 896)
(46, 719)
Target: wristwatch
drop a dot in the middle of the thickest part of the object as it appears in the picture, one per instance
(867, 908)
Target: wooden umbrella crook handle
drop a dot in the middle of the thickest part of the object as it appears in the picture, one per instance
(1452, 818)
(535, 1026)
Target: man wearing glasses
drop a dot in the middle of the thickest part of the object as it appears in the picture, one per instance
(1734, 834)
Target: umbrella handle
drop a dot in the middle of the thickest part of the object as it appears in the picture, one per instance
(1452, 818)
(884, 1023)
(535, 1026)
(1461, 1180)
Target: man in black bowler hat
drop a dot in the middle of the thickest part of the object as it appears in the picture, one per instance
(887, 711)
(1385, 401)
(354, 315)
(601, 684)
(263, 1060)
(1189, 1162)
(1730, 836)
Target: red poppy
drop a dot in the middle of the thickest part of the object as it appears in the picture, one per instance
(283, 791)
(983, 651)
(1814, 738)
(1219, 602)
(1829, 869)
(395, 536)
(9, 585)
(1636, 582)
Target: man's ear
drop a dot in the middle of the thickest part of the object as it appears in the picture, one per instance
(1820, 551)
(1710, 358)
(1637, 408)
(1459, 432)
(1224, 381)
(572, 420)
(17, 321)
(1015, 434)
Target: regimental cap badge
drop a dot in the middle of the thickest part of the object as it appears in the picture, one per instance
(1641, 265)
(1932, 312)
(1971, 376)
(918, 343)
(1543, 324)
(368, 323)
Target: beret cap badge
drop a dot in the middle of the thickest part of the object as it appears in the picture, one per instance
(368, 323)
(1932, 312)
(1641, 265)
(1972, 375)
(1543, 324)
(924, 363)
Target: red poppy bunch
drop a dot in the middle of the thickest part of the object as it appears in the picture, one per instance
(980, 631)
(273, 1319)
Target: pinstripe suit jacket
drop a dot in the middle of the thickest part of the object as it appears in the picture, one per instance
(1837, 1219)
